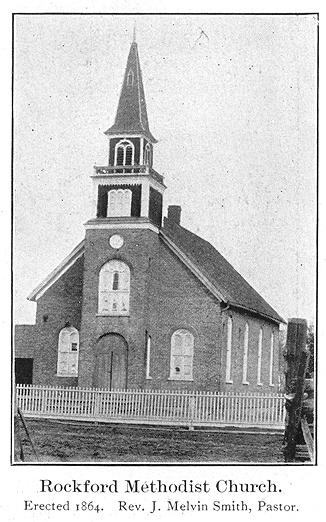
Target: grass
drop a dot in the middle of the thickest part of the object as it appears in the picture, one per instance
(64, 441)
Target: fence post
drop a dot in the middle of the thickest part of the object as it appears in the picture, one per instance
(97, 403)
(43, 401)
(192, 402)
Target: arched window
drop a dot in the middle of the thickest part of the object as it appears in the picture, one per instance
(147, 157)
(182, 353)
(114, 288)
(245, 355)
(119, 203)
(68, 350)
(124, 153)
(259, 358)
(148, 356)
(228, 377)
(130, 78)
(271, 361)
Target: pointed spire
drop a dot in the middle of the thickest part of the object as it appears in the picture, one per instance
(131, 117)
(134, 34)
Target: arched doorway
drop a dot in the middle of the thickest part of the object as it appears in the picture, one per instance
(111, 362)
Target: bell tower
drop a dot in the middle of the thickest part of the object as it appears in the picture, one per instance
(121, 240)
(128, 192)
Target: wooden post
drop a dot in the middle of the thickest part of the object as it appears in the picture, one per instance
(297, 359)
(18, 446)
(27, 433)
(295, 342)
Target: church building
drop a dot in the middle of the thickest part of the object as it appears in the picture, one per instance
(142, 302)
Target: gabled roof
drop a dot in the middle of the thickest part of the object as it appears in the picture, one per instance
(229, 285)
(204, 261)
(131, 117)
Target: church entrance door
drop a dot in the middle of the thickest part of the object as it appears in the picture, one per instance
(111, 362)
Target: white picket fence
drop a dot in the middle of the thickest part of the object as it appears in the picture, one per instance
(162, 407)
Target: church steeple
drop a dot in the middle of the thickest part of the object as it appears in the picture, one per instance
(128, 191)
(131, 117)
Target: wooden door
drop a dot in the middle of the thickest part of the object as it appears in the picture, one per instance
(111, 362)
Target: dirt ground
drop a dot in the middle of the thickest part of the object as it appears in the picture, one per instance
(66, 441)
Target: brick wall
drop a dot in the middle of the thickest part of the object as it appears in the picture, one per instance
(176, 299)
(165, 296)
(60, 304)
(24, 341)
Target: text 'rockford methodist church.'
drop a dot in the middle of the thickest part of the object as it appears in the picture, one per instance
(140, 303)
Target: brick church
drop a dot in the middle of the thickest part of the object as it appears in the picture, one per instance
(142, 302)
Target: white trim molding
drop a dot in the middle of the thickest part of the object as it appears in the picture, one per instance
(144, 206)
(124, 144)
(128, 136)
(127, 179)
(131, 226)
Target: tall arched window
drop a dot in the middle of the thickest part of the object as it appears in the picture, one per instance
(228, 377)
(68, 350)
(271, 361)
(147, 156)
(119, 203)
(245, 355)
(124, 153)
(114, 288)
(259, 358)
(182, 353)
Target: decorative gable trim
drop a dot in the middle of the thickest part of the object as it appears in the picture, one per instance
(193, 268)
(57, 272)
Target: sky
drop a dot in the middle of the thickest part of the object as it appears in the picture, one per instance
(232, 102)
